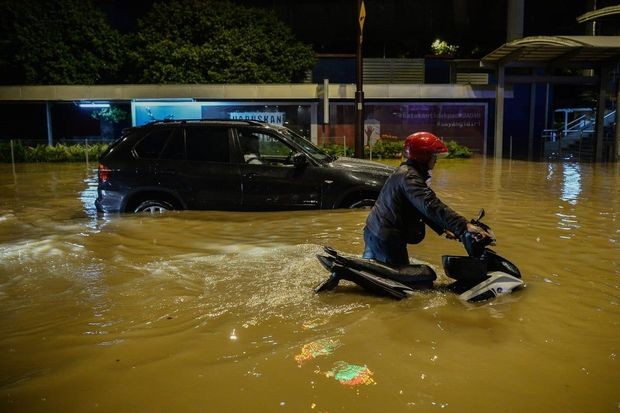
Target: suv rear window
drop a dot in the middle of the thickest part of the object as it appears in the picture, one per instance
(150, 146)
(198, 143)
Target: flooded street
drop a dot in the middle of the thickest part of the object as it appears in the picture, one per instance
(214, 311)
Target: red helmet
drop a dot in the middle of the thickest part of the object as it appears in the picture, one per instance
(422, 145)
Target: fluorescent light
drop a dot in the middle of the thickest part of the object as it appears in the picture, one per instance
(94, 105)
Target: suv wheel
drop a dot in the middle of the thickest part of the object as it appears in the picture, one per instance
(153, 207)
(363, 204)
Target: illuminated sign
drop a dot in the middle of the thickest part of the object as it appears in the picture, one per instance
(276, 118)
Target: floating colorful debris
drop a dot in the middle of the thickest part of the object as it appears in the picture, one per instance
(322, 347)
(351, 374)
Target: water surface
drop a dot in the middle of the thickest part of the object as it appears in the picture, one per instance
(214, 311)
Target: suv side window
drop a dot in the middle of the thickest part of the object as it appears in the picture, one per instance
(207, 144)
(152, 143)
(272, 146)
(271, 150)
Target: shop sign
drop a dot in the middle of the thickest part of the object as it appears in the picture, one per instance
(276, 118)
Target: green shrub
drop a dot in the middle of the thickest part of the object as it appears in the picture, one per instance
(337, 150)
(393, 149)
(456, 150)
(386, 149)
(45, 153)
(18, 151)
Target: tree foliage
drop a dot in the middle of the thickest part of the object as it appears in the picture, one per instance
(178, 41)
(57, 42)
(212, 41)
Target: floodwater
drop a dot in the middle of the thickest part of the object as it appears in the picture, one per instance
(215, 312)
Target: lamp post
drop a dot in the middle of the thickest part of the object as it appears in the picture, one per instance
(359, 91)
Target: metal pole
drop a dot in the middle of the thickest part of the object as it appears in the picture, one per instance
(48, 118)
(13, 163)
(325, 101)
(359, 92)
(13, 158)
(86, 150)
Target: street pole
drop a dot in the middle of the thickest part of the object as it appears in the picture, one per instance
(359, 91)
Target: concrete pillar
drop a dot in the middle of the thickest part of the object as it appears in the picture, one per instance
(617, 140)
(530, 137)
(590, 26)
(461, 15)
(314, 124)
(499, 111)
(600, 113)
(514, 19)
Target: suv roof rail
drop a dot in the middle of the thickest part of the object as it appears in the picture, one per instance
(243, 121)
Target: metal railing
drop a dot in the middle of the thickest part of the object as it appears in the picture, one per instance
(575, 140)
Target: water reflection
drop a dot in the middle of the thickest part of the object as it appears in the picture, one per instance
(88, 197)
(205, 308)
(568, 176)
(571, 182)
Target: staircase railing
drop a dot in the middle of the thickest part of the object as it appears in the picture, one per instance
(575, 139)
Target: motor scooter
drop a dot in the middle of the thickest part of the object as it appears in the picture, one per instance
(479, 276)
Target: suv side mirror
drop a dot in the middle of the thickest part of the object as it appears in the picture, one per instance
(299, 159)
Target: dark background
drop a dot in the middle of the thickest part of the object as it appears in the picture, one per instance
(400, 28)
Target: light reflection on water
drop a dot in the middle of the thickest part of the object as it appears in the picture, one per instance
(193, 309)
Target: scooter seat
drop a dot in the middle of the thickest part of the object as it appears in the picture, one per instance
(407, 274)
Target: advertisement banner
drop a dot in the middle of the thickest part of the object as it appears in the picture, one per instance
(465, 123)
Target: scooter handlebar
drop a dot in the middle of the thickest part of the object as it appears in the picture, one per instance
(475, 241)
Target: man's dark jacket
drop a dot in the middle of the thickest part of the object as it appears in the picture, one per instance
(406, 203)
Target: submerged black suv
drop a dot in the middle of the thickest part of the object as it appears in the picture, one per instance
(229, 165)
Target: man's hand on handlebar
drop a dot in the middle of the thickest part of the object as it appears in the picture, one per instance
(478, 233)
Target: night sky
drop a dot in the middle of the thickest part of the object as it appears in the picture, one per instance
(398, 28)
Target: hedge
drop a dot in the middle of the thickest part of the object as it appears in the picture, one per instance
(77, 152)
(393, 150)
(45, 153)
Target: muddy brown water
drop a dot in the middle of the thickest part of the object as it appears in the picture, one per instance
(214, 311)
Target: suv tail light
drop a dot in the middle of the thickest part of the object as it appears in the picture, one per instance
(104, 173)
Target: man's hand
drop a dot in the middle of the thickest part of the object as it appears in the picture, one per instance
(479, 233)
(450, 235)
